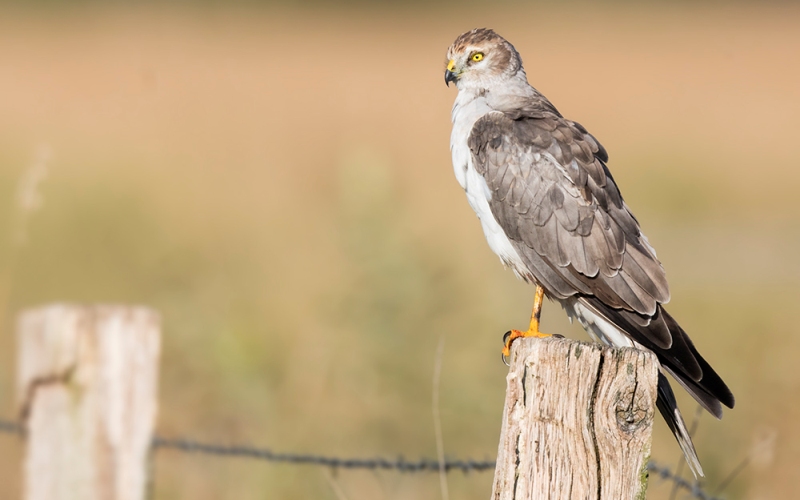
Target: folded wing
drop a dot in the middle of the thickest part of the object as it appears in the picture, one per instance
(558, 204)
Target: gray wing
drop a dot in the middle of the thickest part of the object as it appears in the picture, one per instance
(558, 204)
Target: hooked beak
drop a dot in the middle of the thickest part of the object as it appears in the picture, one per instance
(449, 74)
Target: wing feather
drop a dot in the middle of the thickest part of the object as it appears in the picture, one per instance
(554, 197)
(556, 201)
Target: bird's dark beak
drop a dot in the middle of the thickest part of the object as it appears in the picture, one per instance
(449, 76)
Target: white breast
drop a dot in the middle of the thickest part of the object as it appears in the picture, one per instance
(467, 110)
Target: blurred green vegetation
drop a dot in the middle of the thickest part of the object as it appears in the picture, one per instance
(278, 184)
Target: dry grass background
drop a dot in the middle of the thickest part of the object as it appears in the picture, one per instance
(277, 182)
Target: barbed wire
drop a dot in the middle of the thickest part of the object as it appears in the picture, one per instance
(399, 464)
(665, 473)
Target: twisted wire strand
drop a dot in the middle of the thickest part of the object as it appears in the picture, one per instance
(399, 464)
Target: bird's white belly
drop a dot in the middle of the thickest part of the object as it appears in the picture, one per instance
(478, 194)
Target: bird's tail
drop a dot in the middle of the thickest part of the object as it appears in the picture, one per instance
(672, 415)
(680, 359)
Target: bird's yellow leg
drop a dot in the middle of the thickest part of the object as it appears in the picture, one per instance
(533, 329)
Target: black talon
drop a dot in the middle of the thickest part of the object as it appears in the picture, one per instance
(558, 336)
(505, 341)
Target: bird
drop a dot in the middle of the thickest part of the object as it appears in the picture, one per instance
(551, 210)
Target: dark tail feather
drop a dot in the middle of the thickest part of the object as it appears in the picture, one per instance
(681, 359)
(705, 399)
(669, 410)
(710, 390)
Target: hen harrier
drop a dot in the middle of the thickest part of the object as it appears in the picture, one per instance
(552, 212)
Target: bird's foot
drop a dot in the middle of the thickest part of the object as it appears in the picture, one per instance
(511, 336)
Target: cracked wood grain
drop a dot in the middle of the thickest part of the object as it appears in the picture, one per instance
(86, 392)
(577, 422)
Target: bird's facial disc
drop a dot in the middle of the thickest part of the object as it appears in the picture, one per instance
(472, 60)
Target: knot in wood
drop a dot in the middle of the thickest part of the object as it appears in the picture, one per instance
(631, 409)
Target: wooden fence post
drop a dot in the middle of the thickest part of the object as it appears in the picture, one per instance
(577, 422)
(86, 386)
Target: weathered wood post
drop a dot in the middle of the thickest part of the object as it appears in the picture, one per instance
(86, 385)
(577, 422)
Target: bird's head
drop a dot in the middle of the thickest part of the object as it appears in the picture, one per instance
(479, 58)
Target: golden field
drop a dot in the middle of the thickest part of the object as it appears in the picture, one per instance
(277, 182)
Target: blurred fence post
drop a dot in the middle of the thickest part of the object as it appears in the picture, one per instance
(87, 381)
(577, 422)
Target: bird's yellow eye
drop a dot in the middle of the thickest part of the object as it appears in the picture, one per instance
(477, 56)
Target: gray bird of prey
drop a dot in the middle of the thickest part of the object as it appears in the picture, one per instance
(551, 211)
